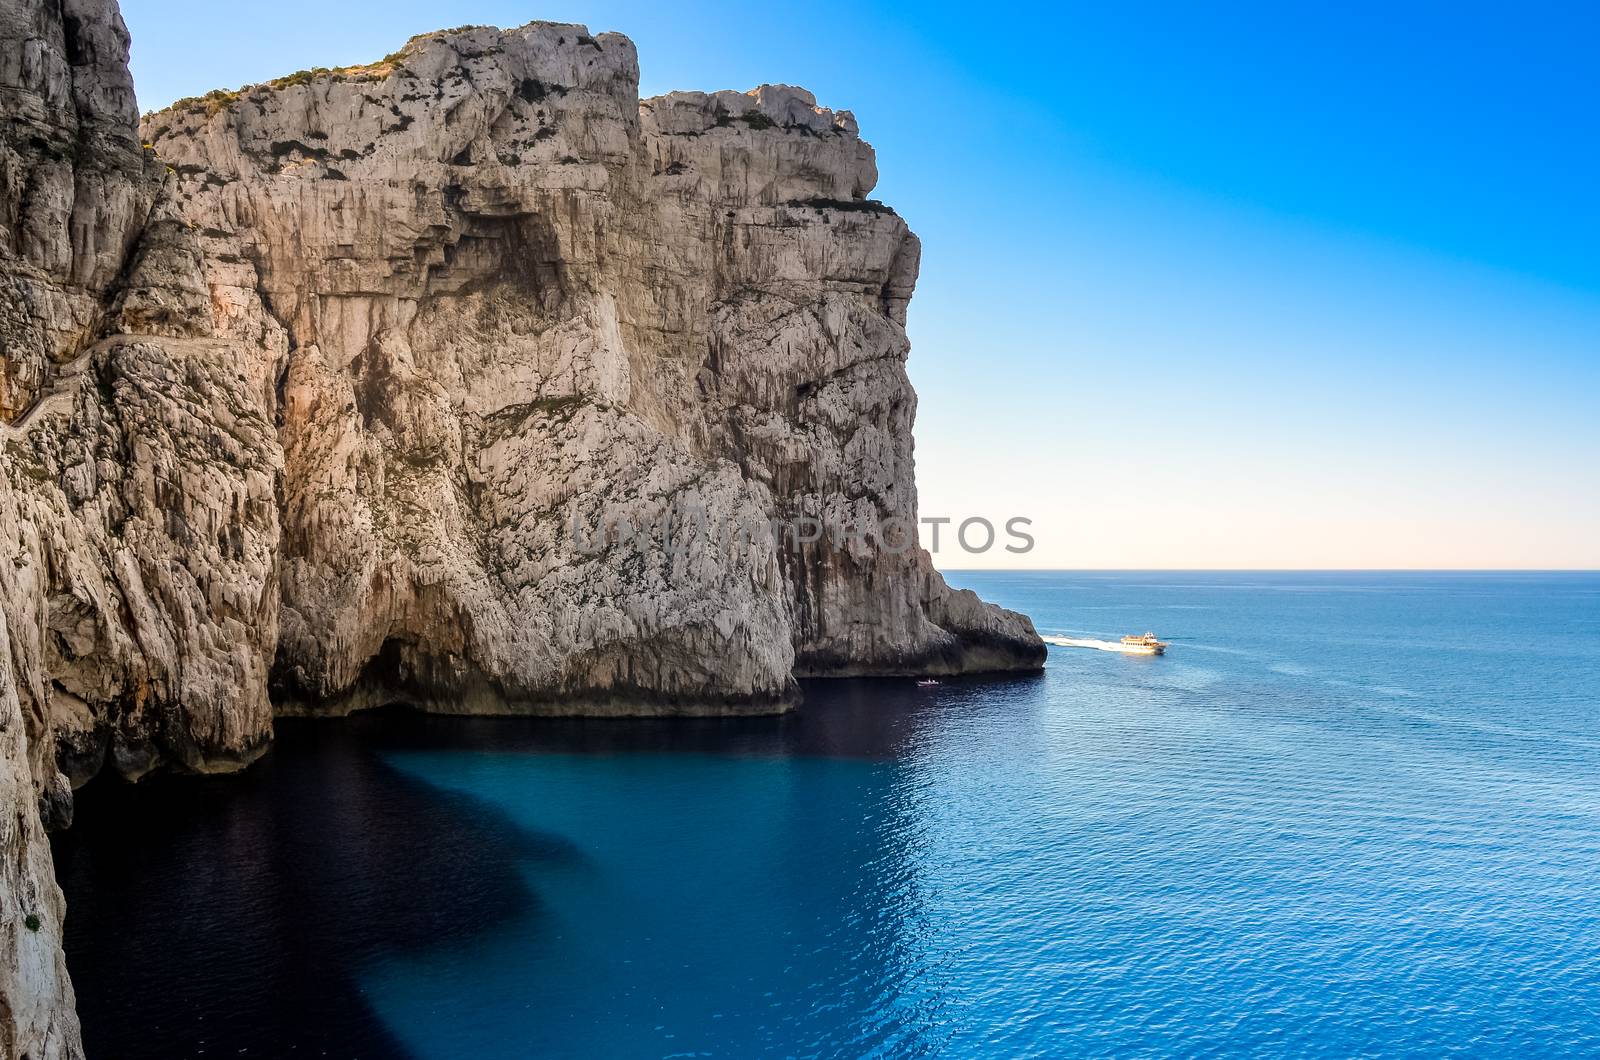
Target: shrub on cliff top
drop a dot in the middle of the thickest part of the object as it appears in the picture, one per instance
(370, 72)
(219, 98)
(212, 101)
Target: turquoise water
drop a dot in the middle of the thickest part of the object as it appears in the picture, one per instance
(1352, 814)
(1347, 814)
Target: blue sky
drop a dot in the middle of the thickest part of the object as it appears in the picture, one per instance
(1203, 285)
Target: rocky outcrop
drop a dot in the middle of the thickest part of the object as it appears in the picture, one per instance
(75, 193)
(519, 302)
(37, 1017)
(464, 379)
(140, 472)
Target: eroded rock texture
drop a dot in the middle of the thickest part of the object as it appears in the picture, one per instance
(518, 301)
(324, 394)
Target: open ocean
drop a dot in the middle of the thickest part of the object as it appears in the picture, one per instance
(1346, 815)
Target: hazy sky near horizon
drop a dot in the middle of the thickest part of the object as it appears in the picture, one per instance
(1224, 285)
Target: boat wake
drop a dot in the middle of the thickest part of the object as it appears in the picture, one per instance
(1097, 645)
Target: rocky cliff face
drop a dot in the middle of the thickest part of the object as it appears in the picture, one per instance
(383, 383)
(518, 301)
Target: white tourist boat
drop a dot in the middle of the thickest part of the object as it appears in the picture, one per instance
(1145, 645)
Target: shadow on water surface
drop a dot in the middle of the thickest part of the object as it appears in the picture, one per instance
(226, 915)
(235, 915)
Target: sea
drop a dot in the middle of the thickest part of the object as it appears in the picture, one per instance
(1347, 814)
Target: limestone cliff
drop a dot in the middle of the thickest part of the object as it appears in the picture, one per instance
(324, 393)
(518, 300)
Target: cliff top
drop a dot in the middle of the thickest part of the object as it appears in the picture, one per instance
(426, 55)
(546, 104)
(219, 98)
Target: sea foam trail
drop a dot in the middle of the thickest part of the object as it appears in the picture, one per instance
(1098, 645)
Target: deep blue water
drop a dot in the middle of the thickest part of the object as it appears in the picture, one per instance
(1347, 814)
